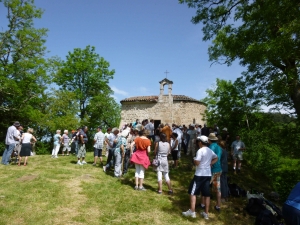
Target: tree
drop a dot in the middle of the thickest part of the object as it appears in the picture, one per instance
(23, 76)
(263, 36)
(87, 75)
(230, 104)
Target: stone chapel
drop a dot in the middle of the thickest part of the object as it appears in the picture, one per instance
(163, 108)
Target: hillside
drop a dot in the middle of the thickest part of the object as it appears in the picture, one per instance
(57, 191)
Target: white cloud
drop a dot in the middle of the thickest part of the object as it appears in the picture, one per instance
(118, 91)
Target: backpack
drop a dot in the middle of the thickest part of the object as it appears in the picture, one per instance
(265, 217)
(265, 211)
(236, 191)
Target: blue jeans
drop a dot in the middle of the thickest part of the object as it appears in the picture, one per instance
(7, 153)
(110, 158)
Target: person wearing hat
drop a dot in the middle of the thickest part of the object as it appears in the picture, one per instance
(120, 152)
(203, 160)
(98, 145)
(216, 169)
(12, 137)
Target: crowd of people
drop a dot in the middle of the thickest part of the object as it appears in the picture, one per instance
(207, 148)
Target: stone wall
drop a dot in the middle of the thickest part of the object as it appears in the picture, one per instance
(180, 112)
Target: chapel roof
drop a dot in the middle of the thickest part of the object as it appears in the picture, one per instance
(154, 98)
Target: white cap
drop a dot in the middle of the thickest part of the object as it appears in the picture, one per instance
(203, 138)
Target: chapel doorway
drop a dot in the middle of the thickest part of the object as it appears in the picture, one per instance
(156, 124)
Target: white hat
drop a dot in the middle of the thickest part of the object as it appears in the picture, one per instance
(203, 138)
(212, 136)
(225, 128)
(192, 125)
(125, 133)
(139, 127)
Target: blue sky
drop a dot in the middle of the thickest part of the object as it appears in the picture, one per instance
(140, 39)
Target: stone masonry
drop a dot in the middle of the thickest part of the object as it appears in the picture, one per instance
(178, 109)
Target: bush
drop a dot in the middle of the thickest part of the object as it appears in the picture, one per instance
(43, 148)
(2, 148)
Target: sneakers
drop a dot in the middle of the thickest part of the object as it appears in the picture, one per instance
(189, 213)
(79, 163)
(94, 164)
(205, 216)
(136, 188)
(104, 168)
(170, 192)
(142, 189)
(84, 162)
(217, 208)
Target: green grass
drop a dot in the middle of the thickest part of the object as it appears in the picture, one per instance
(57, 191)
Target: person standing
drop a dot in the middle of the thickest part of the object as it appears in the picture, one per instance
(106, 147)
(193, 135)
(167, 131)
(203, 160)
(205, 130)
(179, 133)
(65, 141)
(224, 165)
(237, 148)
(120, 152)
(26, 149)
(111, 141)
(56, 144)
(216, 169)
(150, 127)
(12, 136)
(82, 140)
(98, 145)
(140, 158)
(162, 150)
(126, 162)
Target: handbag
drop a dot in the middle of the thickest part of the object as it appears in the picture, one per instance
(156, 161)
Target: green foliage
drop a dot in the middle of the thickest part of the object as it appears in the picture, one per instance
(264, 37)
(43, 148)
(86, 74)
(23, 76)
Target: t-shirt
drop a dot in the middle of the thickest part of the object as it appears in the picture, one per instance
(217, 167)
(121, 141)
(150, 127)
(111, 137)
(294, 197)
(56, 139)
(205, 155)
(66, 139)
(192, 134)
(83, 134)
(173, 144)
(26, 138)
(11, 135)
(99, 138)
(142, 144)
(198, 131)
(180, 133)
(236, 145)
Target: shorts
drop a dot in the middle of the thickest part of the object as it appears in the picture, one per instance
(97, 152)
(238, 156)
(215, 180)
(81, 151)
(175, 155)
(200, 184)
(66, 147)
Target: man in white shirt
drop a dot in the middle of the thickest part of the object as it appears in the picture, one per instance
(203, 160)
(12, 136)
(98, 145)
